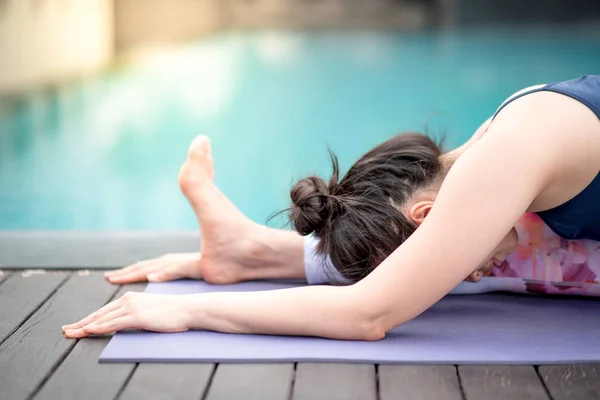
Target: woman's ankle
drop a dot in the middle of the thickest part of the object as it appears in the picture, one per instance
(275, 254)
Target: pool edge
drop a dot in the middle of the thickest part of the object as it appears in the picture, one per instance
(89, 250)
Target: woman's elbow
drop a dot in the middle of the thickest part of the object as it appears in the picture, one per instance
(368, 321)
(373, 326)
(374, 333)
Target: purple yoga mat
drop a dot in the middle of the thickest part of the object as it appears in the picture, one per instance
(471, 329)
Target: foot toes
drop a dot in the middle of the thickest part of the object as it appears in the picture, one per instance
(200, 147)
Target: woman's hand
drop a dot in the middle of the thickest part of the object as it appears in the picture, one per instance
(162, 269)
(151, 312)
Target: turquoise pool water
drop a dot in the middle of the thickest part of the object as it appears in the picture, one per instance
(103, 153)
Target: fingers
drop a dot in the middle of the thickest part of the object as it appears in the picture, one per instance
(129, 268)
(76, 333)
(119, 312)
(165, 268)
(113, 325)
(170, 274)
(113, 311)
(133, 277)
(94, 316)
(133, 273)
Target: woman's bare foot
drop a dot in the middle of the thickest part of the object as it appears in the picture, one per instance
(228, 236)
(234, 248)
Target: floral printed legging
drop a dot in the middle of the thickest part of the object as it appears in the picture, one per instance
(543, 263)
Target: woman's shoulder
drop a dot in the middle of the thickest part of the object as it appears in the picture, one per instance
(520, 93)
(557, 130)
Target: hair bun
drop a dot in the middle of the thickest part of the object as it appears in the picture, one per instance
(312, 205)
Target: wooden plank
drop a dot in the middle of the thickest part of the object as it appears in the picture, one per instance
(77, 250)
(335, 381)
(248, 382)
(39, 345)
(435, 382)
(573, 382)
(22, 294)
(499, 382)
(168, 381)
(80, 376)
(76, 377)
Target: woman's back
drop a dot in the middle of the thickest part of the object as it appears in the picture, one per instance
(579, 217)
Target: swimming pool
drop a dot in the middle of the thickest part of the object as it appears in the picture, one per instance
(103, 153)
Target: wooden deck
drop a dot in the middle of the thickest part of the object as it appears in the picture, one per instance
(36, 361)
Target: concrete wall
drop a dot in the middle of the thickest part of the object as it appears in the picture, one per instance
(324, 13)
(52, 40)
(148, 23)
(49, 41)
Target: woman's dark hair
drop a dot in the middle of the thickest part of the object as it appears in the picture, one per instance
(357, 219)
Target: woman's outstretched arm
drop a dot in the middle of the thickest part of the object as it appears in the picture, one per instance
(513, 169)
(484, 194)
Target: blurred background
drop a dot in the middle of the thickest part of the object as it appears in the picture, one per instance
(99, 99)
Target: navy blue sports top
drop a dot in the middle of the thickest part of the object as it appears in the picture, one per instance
(578, 218)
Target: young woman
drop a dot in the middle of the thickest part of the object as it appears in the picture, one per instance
(537, 159)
